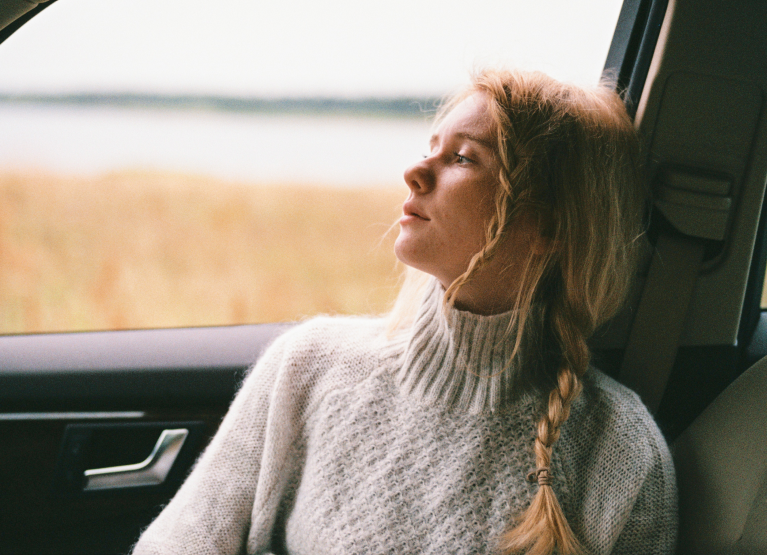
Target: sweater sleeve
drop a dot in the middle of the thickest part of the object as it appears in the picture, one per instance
(651, 527)
(211, 512)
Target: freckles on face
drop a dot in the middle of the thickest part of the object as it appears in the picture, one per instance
(452, 192)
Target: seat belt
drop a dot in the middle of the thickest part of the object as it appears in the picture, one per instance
(653, 342)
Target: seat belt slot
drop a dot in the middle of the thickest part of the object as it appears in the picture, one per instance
(697, 205)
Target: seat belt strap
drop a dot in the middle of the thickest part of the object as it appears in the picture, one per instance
(657, 329)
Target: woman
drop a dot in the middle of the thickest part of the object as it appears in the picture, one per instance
(472, 422)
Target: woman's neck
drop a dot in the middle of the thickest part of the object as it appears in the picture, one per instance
(488, 291)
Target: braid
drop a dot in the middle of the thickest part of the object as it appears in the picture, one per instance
(543, 528)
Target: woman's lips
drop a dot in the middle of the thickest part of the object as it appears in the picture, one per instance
(411, 218)
(411, 214)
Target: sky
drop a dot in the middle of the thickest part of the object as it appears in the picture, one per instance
(346, 48)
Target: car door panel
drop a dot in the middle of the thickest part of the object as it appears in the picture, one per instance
(76, 402)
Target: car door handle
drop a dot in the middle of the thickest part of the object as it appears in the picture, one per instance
(150, 472)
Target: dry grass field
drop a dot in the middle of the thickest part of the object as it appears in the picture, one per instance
(136, 250)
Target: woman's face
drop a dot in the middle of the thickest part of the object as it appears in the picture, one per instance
(452, 194)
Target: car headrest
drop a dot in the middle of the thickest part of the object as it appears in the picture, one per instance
(721, 462)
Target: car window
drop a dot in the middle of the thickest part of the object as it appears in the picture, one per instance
(184, 164)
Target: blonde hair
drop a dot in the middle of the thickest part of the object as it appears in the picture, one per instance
(570, 164)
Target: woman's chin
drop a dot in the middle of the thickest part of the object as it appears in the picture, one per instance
(401, 250)
(407, 251)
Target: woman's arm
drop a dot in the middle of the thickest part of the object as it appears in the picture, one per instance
(211, 513)
(653, 523)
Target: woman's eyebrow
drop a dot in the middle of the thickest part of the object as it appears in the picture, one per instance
(466, 136)
(482, 141)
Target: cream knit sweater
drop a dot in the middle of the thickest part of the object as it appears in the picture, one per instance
(341, 441)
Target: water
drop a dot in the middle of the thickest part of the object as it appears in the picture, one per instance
(346, 151)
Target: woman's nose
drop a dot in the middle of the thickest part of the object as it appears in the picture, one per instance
(419, 177)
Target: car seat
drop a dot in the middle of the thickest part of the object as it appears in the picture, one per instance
(721, 462)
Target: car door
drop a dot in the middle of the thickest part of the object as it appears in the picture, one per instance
(79, 402)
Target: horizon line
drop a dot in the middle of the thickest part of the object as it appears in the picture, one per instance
(406, 105)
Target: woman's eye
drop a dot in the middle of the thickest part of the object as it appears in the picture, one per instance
(461, 159)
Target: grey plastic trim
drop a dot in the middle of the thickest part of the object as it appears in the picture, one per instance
(128, 370)
(214, 347)
(150, 472)
(122, 415)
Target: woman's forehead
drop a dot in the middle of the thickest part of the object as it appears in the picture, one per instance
(469, 119)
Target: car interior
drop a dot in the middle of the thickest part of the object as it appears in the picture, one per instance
(98, 429)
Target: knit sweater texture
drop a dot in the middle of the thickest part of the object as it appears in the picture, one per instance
(344, 441)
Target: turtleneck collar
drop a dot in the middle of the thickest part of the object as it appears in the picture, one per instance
(458, 358)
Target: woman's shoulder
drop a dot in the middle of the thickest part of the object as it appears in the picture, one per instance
(617, 410)
(320, 355)
(601, 391)
(610, 420)
(614, 394)
(332, 335)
